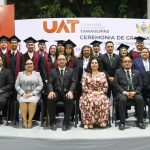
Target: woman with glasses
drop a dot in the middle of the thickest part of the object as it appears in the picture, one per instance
(28, 85)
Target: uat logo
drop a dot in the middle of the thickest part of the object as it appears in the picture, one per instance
(68, 26)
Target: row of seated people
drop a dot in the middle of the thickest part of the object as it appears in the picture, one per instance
(94, 103)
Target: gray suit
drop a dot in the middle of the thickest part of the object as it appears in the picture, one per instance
(27, 84)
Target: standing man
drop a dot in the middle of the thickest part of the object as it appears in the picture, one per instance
(3, 47)
(44, 54)
(110, 63)
(96, 48)
(128, 86)
(97, 53)
(142, 63)
(6, 83)
(14, 62)
(38, 60)
(135, 53)
(3, 44)
(61, 86)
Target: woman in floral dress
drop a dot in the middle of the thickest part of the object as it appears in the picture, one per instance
(94, 103)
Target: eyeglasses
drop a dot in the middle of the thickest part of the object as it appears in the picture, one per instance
(29, 63)
(128, 61)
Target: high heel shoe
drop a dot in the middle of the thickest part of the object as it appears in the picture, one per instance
(24, 124)
(91, 126)
(30, 124)
(85, 126)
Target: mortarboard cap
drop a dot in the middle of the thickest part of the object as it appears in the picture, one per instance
(14, 38)
(139, 38)
(95, 43)
(42, 41)
(3, 38)
(122, 46)
(69, 43)
(30, 40)
(60, 42)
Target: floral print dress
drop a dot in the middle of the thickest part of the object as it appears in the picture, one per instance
(94, 107)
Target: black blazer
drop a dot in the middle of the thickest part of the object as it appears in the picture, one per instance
(147, 84)
(69, 80)
(121, 82)
(110, 70)
(6, 81)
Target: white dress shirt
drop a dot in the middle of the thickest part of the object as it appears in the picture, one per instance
(146, 64)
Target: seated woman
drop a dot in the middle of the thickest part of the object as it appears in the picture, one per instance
(28, 85)
(94, 103)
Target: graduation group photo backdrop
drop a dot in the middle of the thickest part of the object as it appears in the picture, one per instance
(84, 30)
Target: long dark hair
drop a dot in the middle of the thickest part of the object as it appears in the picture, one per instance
(72, 52)
(88, 46)
(89, 64)
(49, 54)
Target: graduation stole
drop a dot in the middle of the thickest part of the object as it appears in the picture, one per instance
(17, 68)
(47, 63)
(35, 59)
(71, 63)
(135, 54)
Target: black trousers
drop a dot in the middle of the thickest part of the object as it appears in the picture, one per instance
(139, 106)
(68, 106)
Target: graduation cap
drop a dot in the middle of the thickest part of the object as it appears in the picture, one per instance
(30, 40)
(14, 38)
(3, 38)
(122, 46)
(96, 43)
(60, 42)
(69, 43)
(139, 38)
(42, 41)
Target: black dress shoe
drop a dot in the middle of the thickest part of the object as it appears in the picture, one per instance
(66, 127)
(53, 127)
(141, 125)
(121, 126)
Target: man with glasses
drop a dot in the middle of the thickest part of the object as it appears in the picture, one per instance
(61, 86)
(128, 86)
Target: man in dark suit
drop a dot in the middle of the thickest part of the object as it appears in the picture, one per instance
(14, 62)
(61, 86)
(142, 63)
(6, 83)
(128, 86)
(110, 63)
(147, 84)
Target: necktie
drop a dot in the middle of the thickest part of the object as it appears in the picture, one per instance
(61, 73)
(130, 85)
(110, 59)
(12, 54)
(62, 81)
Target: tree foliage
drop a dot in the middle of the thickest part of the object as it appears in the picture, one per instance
(30, 9)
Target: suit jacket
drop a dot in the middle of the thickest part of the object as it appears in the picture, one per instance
(69, 80)
(38, 62)
(110, 70)
(121, 82)
(6, 81)
(147, 84)
(138, 64)
(35, 86)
